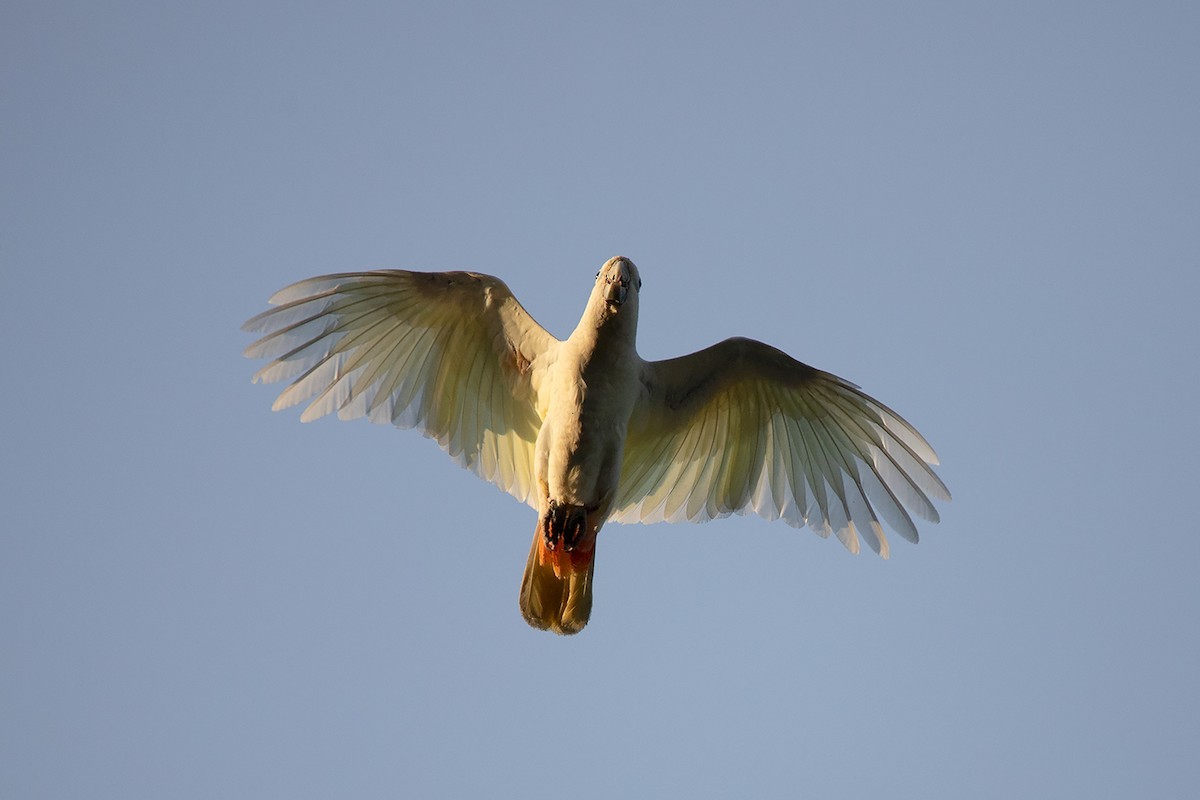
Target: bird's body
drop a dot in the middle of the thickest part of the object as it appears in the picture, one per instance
(594, 381)
(585, 430)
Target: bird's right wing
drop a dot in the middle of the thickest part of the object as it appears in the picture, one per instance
(450, 353)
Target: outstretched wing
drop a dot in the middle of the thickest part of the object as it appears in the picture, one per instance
(744, 427)
(450, 353)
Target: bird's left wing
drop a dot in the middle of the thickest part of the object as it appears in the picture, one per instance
(450, 353)
(742, 426)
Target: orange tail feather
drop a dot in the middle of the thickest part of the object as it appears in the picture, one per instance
(556, 591)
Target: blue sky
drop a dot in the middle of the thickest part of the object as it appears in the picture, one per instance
(985, 214)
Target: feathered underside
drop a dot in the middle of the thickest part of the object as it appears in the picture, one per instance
(452, 354)
(741, 427)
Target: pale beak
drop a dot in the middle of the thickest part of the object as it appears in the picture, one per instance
(617, 290)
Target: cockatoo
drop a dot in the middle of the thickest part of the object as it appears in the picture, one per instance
(584, 430)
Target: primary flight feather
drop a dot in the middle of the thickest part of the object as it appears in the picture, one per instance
(584, 430)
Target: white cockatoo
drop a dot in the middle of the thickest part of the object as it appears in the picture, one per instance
(584, 430)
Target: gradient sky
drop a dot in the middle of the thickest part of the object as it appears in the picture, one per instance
(988, 215)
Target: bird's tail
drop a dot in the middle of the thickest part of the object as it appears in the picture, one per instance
(556, 591)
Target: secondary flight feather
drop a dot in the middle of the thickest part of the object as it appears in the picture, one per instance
(586, 431)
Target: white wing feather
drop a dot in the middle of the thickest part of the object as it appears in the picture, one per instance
(742, 427)
(450, 353)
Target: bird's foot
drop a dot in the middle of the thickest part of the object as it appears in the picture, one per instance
(564, 526)
(548, 527)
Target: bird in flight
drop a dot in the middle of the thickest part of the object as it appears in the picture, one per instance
(584, 430)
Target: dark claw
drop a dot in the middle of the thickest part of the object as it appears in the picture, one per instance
(564, 524)
(548, 526)
(574, 528)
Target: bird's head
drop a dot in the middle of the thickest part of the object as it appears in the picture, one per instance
(618, 283)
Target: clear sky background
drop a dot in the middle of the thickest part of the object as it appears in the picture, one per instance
(988, 215)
